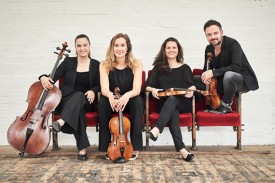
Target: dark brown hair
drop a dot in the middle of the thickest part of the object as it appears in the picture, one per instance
(161, 62)
(212, 22)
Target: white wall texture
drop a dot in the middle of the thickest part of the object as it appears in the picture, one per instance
(31, 29)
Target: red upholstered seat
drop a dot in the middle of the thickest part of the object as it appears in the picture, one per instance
(211, 119)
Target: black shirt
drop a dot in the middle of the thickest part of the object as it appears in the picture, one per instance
(81, 82)
(231, 58)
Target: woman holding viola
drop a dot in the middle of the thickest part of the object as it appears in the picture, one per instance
(171, 72)
(122, 70)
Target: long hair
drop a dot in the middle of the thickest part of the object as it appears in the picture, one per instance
(110, 55)
(83, 36)
(161, 61)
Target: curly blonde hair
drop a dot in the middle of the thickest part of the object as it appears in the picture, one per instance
(111, 62)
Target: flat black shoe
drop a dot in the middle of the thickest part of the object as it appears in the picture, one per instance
(56, 126)
(222, 110)
(152, 137)
(189, 157)
(82, 157)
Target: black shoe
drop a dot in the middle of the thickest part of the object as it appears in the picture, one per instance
(134, 157)
(152, 137)
(82, 157)
(222, 110)
(56, 126)
(189, 157)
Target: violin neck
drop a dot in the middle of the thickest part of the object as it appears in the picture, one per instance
(121, 127)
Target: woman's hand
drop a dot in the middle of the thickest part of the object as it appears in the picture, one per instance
(46, 82)
(122, 102)
(90, 96)
(155, 92)
(112, 101)
(189, 92)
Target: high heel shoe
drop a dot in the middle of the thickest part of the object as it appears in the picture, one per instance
(189, 157)
(152, 137)
(56, 126)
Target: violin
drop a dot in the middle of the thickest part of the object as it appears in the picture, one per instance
(212, 98)
(30, 132)
(120, 149)
(178, 91)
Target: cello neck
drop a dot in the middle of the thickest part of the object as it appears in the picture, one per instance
(59, 57)
(44, 93)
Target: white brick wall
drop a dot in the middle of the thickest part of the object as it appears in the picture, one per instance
(31, 29)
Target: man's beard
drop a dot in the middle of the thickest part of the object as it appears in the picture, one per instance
(218, 43)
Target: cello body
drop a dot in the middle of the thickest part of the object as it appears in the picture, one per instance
(30, 132)
(34, 119)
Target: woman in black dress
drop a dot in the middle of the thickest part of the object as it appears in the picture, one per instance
(170, 72)
(80, 84)
(121, 69)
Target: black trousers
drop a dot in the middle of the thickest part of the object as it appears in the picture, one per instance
(232, 82)
(72, 109)
(135, 107)
(169, 115)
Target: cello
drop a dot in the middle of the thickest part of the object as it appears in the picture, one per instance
(30, 132)
(120, 149)
(212, 98)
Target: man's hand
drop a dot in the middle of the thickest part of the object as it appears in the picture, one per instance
(206, 77)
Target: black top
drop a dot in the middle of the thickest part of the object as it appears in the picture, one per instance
(180, 77)
(231, 58)
(121, 78)
(81, 82)
(67, 72)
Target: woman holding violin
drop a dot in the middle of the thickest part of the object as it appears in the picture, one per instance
(171, 72)
(80, 84)
(122, 70)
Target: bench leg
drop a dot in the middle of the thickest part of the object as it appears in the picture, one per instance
(239, 137)
(55, 141)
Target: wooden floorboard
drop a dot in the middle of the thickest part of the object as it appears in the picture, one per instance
(156, 164)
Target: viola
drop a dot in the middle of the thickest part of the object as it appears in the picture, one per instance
(120, 149)
(178, 91)
(30, 132)
(212, 98)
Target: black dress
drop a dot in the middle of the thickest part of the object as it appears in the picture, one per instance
(135, 106)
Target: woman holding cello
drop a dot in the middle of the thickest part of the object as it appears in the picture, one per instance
(80, 84)
(171, 72)
(122, 70)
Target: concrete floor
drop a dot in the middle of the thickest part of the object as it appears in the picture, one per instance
(158, 164)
